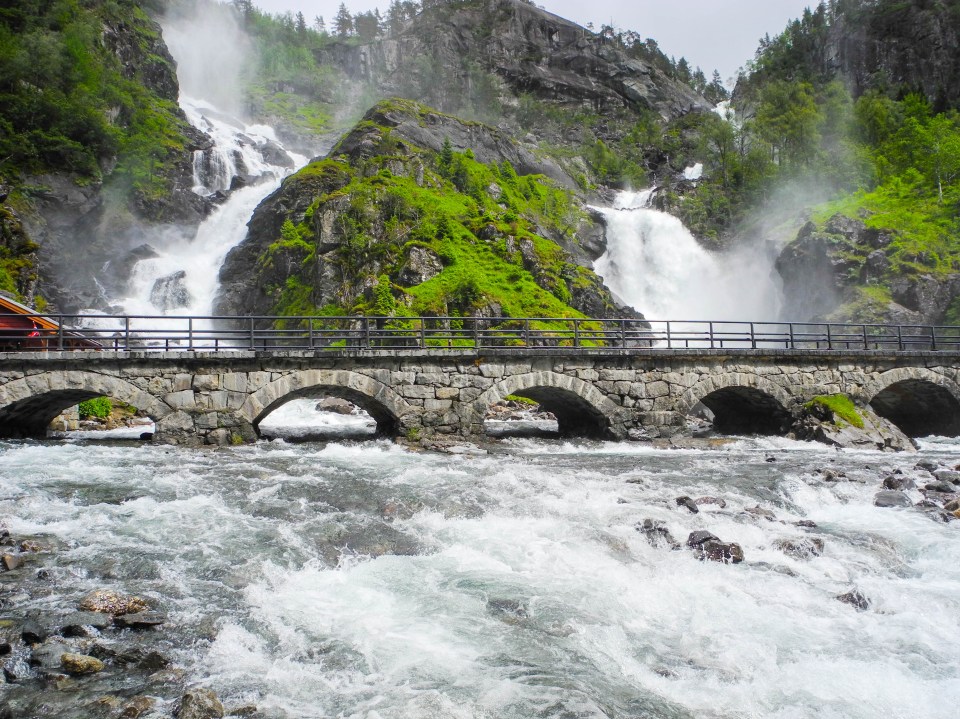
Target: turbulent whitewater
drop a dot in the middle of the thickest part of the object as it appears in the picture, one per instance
(363, 580)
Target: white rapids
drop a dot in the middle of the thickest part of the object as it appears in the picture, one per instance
(362, 580)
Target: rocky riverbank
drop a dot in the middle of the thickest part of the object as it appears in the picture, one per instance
(106, 653)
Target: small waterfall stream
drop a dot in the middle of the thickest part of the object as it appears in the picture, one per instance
(656, 265)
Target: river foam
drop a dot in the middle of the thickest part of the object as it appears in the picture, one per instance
(363, 580)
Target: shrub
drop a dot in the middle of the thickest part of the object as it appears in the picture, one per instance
(99, 407)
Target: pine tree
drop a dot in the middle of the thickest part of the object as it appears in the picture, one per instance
(343, 22)
(320, 25)
(301, 24)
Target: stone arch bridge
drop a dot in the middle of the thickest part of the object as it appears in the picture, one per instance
(221, 397)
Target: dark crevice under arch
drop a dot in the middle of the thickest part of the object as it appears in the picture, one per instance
(575, 416)
(388, 424)
(31, 416)
(746, 410)
(919, 408)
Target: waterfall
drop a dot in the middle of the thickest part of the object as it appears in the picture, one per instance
(655, 264)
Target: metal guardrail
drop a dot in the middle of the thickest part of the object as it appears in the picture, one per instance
(541, 334)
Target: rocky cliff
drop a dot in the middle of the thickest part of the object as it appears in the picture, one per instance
(418, 212)
(99, 156)
(842, 272)
(443, 57)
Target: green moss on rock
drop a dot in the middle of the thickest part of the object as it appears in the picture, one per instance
(840, 405)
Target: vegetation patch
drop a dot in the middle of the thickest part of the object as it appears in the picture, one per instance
(98, 408)
(840, 405)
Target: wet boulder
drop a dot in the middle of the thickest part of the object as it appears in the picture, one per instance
(335, 405)
(855, 599)
(137, 707)
(950, 476)
(898, 482)
(111, 602)
(759, 511)
(199, 703)
(80, 663)
(84, 624)
(170, 293)
(140, 620)
(657, 533)
(724, 552)
(891, 498)
(709, 546)
(803, 548)
(688, 503)
(926, 464)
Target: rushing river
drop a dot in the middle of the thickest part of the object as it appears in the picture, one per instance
(366, 580)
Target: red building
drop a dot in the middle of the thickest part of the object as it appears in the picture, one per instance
(22, 328)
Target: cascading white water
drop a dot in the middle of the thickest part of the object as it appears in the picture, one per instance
(199, 258)
(655, 264)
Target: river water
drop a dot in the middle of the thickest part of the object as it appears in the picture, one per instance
(367, 580)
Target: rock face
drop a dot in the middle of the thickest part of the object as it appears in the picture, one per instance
(76, 223)
(529, 50)
(824, 273)
(905, 44)
(352, 239)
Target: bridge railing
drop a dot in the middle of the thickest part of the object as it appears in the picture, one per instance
(92, 333)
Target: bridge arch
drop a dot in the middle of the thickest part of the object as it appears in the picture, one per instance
(741, 403)
(580, 408)
(28, 405)
(918, 400)
(377, 399)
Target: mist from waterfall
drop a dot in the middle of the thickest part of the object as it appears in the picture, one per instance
(654, 264)
(178, 272)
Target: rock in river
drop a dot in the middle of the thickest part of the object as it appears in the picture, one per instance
(80, 663)
(110, 602)
(891, 498)
(199, 703)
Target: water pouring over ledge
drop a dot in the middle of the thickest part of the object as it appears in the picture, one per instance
(654, 264)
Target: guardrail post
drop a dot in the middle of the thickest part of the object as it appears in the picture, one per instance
(253, 338)
(423, 333)
(623, 333)
(793, 343)
(864, 330)
(526, 332)
(310, 322)
(753, 338)
(710, 330)
(933, 338)
(60, 333)
(829, 338)
(900, 337)
(190, 334)
(669, 341)
(126, 334)
(576, 332)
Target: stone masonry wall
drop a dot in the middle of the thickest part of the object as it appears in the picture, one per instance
(218, 398)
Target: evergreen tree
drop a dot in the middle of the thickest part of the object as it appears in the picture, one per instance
(343, 22)
(320, 25)
(301, 24)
